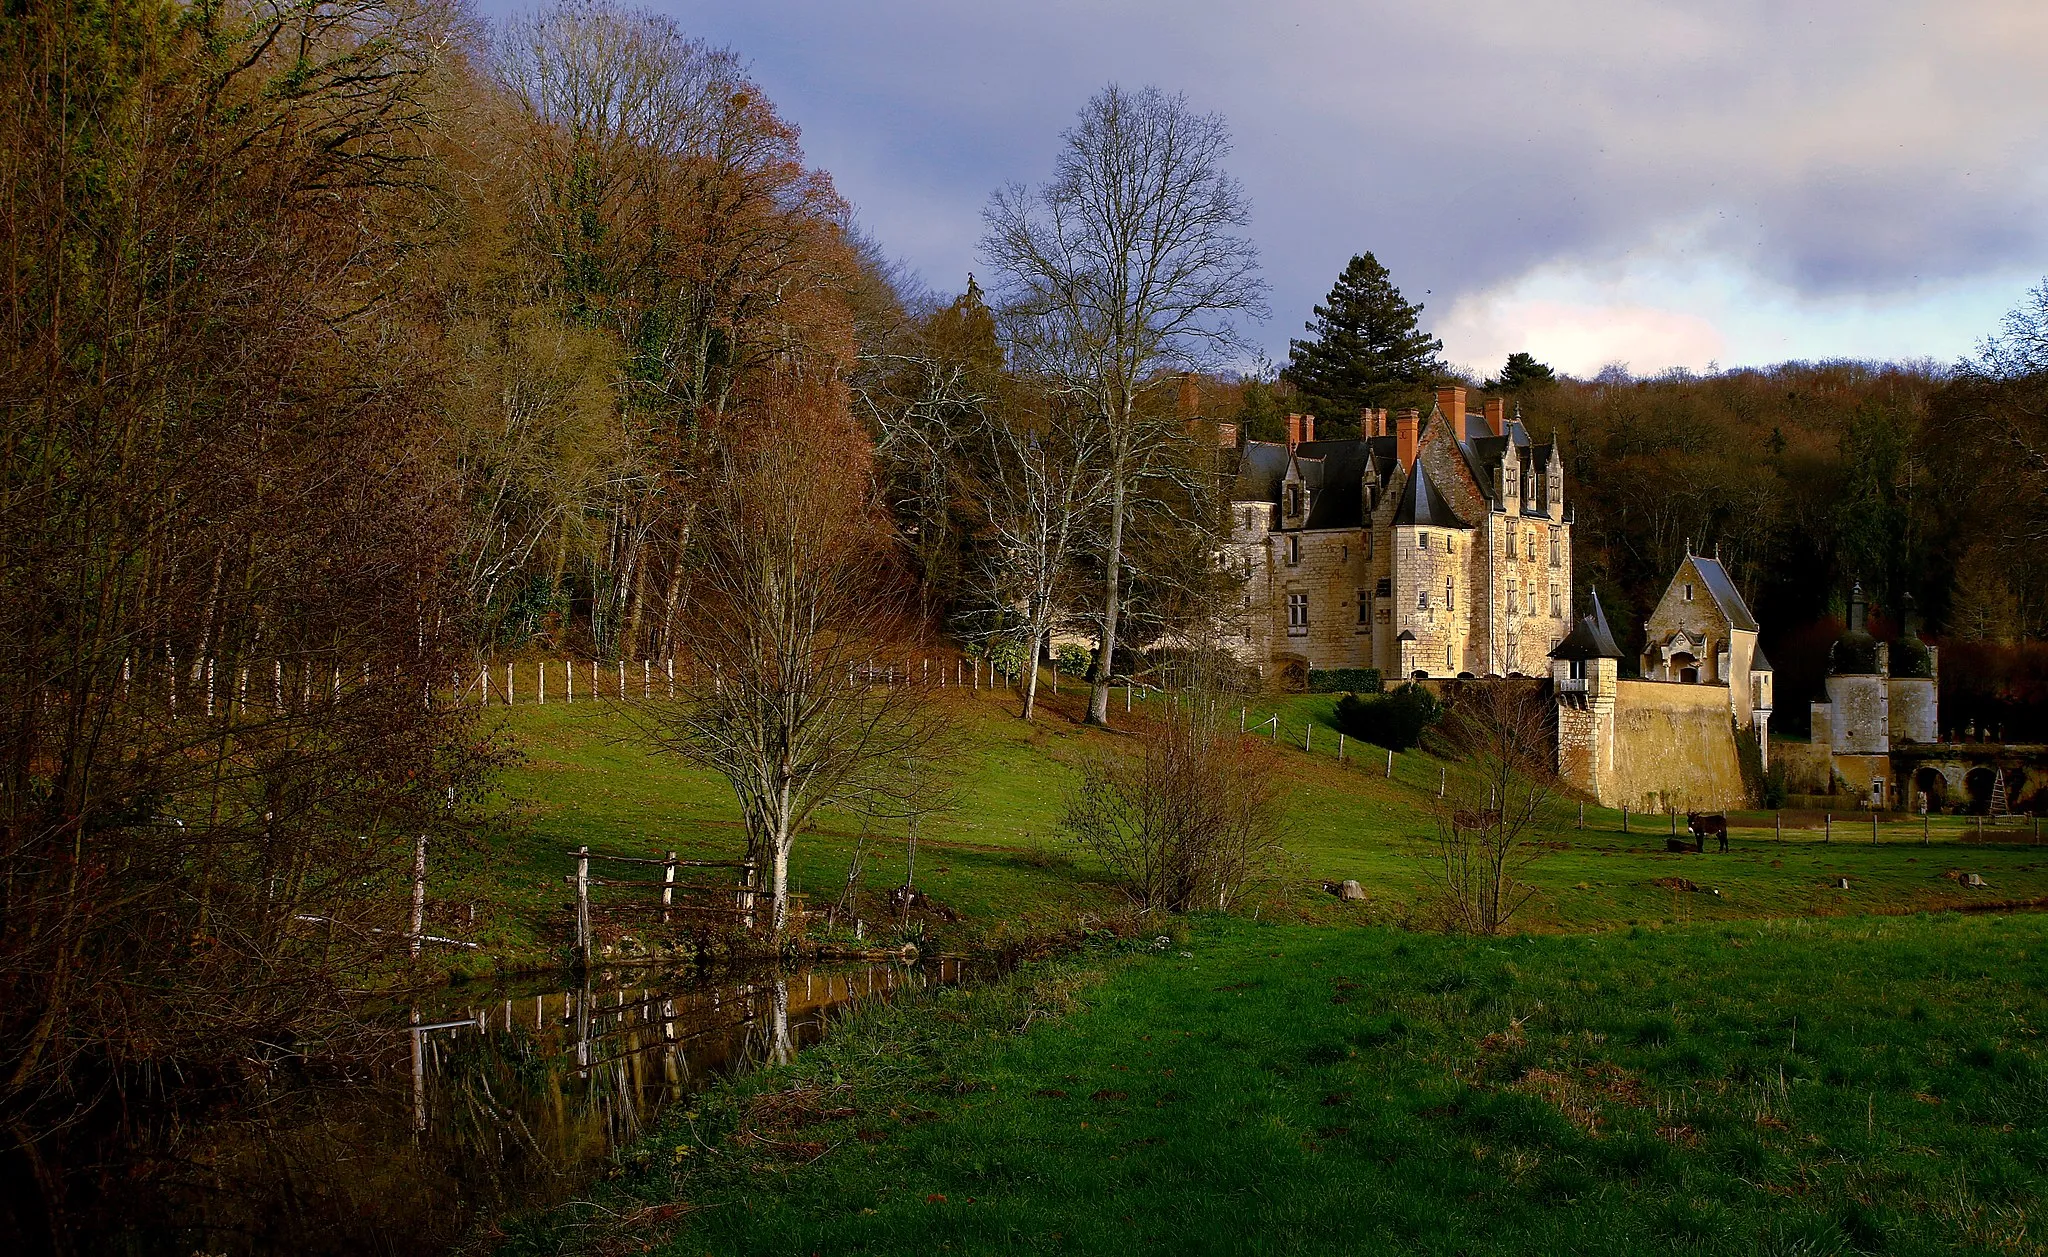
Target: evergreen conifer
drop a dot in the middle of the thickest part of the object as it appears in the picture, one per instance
(1366, 349)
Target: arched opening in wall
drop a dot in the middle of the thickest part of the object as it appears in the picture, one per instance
(2017, 788)
(1930, 782)
(1977, 791)
(1686, 668)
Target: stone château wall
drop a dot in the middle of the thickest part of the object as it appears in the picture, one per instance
(1674, 747)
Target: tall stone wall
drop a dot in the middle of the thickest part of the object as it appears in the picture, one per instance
(1674, 746)
(1912, 701)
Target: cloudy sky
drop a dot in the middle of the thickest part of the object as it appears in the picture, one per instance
(1656, 184)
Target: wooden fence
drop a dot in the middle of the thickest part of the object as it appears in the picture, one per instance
(665, 906)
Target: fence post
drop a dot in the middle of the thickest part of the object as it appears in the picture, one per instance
(1390, 763)
(1873, 827)
(1309, 735)
(540, 673)
(583, 905)
(419, 891)
(1624, 818)
(1778, 824)
(1240, 713)
(1340, 746)
(1443, 780)
(1582, 813)
(1923, 827)
(668, 886)
(569, 679)
(622, 678)
(508, 685)
(1827, 826)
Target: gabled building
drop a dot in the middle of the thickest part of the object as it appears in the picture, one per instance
(1435, 545)
(1702, 633)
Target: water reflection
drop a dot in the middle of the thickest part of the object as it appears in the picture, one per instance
(476, 1106)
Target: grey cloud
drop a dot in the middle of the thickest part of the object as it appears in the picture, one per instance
(1841, 148)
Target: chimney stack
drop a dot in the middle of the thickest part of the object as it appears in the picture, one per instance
(1452, 402)
(1226, 436)
(1190, 396)
(1293, 431)
(1406, 426)
(1497, 416)
(1308, 427)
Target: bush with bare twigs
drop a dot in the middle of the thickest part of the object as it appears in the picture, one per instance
(1493, 806)
(1188, 820)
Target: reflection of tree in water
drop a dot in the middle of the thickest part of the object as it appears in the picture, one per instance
(520, 1100)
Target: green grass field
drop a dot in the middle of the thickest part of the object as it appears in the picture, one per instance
(1762, 1087)
(999, 860)
(1783, 1067)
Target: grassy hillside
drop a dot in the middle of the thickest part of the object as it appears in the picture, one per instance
(999, 861)
(1764, 1087)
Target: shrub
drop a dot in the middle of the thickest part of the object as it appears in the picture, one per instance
(1344, 680)
(1394, 720)
(1188, 821)
(1071, 658)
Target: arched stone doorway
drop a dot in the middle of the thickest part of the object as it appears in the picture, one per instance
(1977, 790)
(1930, 782)
(1686, 668)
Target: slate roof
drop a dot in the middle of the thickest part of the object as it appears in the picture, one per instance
(1757, 662)
(1259, 472)
(1722, 588)
(1590, 638)
(1422, 503)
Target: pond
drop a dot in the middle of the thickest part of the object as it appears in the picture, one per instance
(471, 1104)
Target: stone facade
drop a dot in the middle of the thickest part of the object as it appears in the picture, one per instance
(1434, 546)
(1702, 633)
(1663, 743)
(1882, 699)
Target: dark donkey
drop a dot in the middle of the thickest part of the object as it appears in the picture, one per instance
(1703, 824)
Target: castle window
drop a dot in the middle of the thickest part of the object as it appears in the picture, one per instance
(1347, 552)
(1386, 588)
(1447, 656)
(1688, 593)
(1450, 543)
(1364, 607)
(1421, 540)
(1293, 551)
(1422, 600)
(1556, 604)
(1511, 597)
(1450, 604)
(1297, 615)
(1251, 519)
(1556, 548)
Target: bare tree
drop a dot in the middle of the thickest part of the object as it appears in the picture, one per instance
(1039, 478)
(1495, 804)
(792, 598)
(1188, 820)
(1124, 266)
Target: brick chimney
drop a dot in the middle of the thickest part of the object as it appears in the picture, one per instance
(1406, 429)
(1497, 416)
(1308, 427)
(1190, 396)
(1452, 402)
(1293, 431)
(1226, 436)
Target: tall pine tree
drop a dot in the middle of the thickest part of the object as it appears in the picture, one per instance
(1367, 349)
